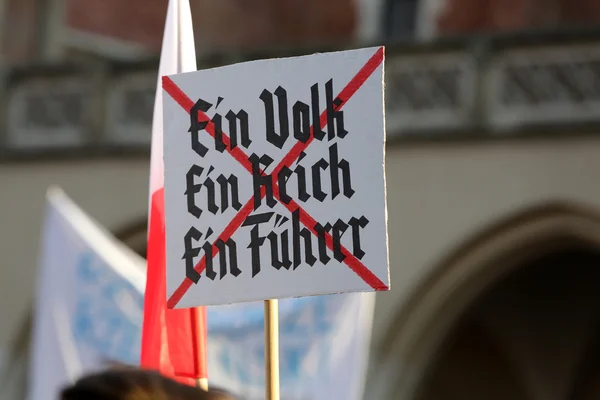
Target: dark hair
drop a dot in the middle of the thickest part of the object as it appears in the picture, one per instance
(135, 384)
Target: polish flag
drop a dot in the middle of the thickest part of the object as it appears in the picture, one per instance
(173, 341)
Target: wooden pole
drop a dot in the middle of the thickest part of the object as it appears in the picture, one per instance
(202, 383)
(272, 349)
(198, 320)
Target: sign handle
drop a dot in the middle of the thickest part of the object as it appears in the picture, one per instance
(202, 383)
(198, 320)
(272, 349)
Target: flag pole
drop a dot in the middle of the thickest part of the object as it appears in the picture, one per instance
(272, 349)
(198, 320)
(202, 383)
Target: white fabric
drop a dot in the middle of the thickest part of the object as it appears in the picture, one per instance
(89, 300)
(90, 305)
(324, 347)
(178, 55)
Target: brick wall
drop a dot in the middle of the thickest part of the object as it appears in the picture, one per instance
(137, 21)
(239, 23)
(233, 24)
(220, 23)
(18, 30)
(469, 16)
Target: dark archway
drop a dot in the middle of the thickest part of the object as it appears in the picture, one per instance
(445, 292)
(472, 360)
(525, 338)
(586, 384)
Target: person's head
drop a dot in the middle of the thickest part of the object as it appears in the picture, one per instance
(135, 384)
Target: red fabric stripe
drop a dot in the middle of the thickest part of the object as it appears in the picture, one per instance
(173, 341)
(199, 334)
(349, 90)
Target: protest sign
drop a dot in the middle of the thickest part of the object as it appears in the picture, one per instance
(274, 179)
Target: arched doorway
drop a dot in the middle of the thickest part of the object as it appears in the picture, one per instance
(528, 337)
(440, 337)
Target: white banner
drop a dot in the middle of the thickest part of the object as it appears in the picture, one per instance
(89, 312)
(324, 346)
(89, 300)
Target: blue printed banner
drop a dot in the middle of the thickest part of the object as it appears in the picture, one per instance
(90, 306)
(107, 318)
(323, 347)
(89, 300)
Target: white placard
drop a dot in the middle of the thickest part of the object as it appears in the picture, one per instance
(318, 224)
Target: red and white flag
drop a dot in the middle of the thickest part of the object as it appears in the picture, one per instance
(173, 341)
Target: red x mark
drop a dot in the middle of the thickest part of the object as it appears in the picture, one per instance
(351, 261)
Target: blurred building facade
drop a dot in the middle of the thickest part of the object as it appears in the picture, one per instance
(493, 164)
(59, 29)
